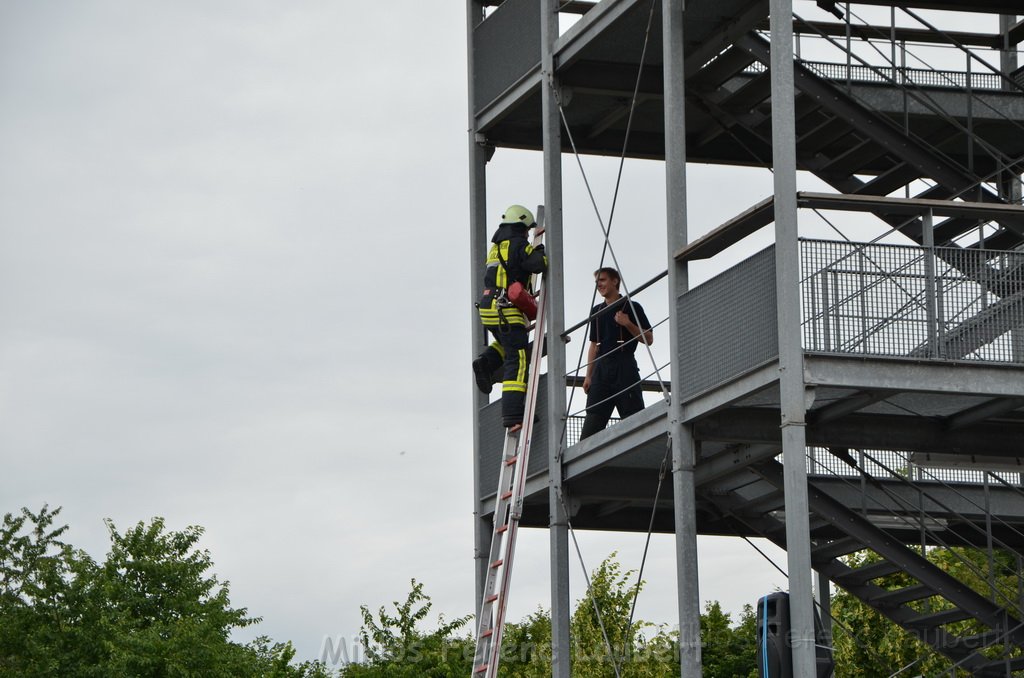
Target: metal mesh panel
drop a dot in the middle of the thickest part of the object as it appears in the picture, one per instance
(574, 427)
(897, 300)
(728, 325)
(498, 60)
(883, 464)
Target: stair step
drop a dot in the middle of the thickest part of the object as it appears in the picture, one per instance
(809, 113)
(863, 575)
(952, 228)
(836, 548)
(980, 640)
(821, 136)
(934, 619)
(817, 523)
(1000, 667)
(898, 597)
(937, 192)
(728, 65)
(853, 160)
(1003, 240)
(748, 97)
(897, 176)
(766, 503)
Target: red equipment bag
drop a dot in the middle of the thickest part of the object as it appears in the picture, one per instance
(523, 300)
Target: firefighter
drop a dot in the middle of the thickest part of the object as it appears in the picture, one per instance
(510, 259)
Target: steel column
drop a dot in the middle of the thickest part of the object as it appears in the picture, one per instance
(482, 527)
(823, 598)
(554, 281)
(798, 549)
(1008, 63)
(683, 448)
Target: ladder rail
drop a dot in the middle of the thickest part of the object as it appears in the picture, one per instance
(485, 623)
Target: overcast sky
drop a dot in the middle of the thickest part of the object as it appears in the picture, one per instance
(234, 293)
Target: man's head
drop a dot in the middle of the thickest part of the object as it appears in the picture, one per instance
(607, 281)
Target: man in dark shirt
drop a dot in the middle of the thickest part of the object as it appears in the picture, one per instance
(613, 378)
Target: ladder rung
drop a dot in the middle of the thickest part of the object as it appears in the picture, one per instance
(491, 599)
(487, 634)
(507, 495)
(481, 668)
(497, 563)
(503, 528)
(511, 460)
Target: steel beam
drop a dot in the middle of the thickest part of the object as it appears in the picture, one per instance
(899, 374)
(683, 447)
(725, 464)
(755, 426)
(568, 47)
(841, 408)
(753, 382)
(979, 413)
(482, 526)
(975, 6)
(798, 541)
(554, 282)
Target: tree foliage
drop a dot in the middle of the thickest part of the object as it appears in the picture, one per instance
(397, 646)
(151, 608)
(728, 651)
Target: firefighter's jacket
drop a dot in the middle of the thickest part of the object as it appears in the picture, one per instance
(510, 259)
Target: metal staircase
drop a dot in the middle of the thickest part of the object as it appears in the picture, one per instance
(856, 150)
(897, 581)
(862, 152)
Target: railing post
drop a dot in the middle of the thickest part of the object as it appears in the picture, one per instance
(862, 275)
(826, 312)
(970, 116)
(1008, 61)
(930, 305)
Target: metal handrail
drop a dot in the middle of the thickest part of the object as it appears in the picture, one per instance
(943, 79)
(889, 298)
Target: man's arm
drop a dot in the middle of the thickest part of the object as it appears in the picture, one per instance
(591, 357)
(646, 336)
(534, 260)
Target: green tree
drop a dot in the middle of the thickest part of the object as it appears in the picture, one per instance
(151, 608)
(526, 647)
(603, 636)
(396, 646)
(728, 651)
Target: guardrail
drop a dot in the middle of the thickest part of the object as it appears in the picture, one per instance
(899, 75)
(944, 303)
(883, 464)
